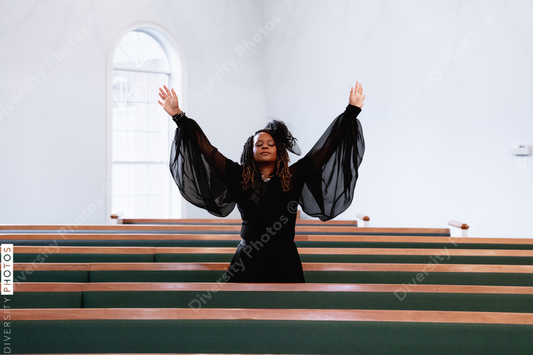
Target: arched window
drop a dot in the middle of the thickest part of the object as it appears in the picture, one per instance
(143, 61)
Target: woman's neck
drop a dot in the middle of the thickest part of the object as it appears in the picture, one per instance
(266, 169)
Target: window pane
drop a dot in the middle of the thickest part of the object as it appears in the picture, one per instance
(120, 85)
(157, 60)
(158, 207)
(126, 53)
(120, 204)
(151, 55)
(137, 120)
(136, 148)
(121, 58)
(137, 86)
(158, 179)
(120, 119)
(155, 81)
(157, 146)
(158, 119)
(138, 179)
(120, 180)
(138, 205)
(120, 146)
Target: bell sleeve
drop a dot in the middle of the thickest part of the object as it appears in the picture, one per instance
(199, 169)
(330, 169)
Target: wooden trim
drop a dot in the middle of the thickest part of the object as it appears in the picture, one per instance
(223, 228)
(305, 287)
(51, 267)
(429, 267)
(158, 266)
(363, 217)
(410, 239)
(261, 287)
(357, 251)
(48, 287)
(113, 236)
(193, 250)
(272, 314)
(298, 237)
(458, 224)
(84, 250)
(225, 221)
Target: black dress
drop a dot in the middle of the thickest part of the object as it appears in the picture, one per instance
(323, 184)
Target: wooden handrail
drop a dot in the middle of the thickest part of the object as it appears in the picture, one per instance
(231, 286)
(271, 314)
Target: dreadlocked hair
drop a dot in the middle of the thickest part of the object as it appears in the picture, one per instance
(249, 170)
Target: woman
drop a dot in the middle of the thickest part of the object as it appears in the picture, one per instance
(265, 188)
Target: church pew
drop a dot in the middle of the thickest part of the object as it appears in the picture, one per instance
(59, 254)
(275, 296)
(407, 274)
(232, 240)
(301, 331)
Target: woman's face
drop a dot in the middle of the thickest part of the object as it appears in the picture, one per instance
(265, 150)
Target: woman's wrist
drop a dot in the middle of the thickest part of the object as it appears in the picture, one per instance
(177, 117)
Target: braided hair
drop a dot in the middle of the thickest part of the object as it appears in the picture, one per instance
(282, 137)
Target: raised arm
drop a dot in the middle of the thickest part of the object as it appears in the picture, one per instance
(198, 168)
(339, 132)
(331, 168)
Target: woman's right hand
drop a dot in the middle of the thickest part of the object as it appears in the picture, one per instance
(170, 101)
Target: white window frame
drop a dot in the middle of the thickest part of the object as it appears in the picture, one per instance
(177, 81)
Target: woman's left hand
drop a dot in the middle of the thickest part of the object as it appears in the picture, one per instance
(356, 95)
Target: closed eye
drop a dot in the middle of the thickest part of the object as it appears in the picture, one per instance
(260, 143)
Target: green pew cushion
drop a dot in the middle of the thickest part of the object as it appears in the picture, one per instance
(385, 277)
(85, 258)
(45, 300)
(310, 300)
(268, 336)
(52, 276)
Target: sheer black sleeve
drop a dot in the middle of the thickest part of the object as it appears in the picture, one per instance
(199, 169)
(330, 169)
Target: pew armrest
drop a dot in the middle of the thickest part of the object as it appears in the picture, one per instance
(463, 226)
(364, 217)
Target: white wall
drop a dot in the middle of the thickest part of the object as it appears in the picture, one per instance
(438, 125)
(53, 140)
(434, 152)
